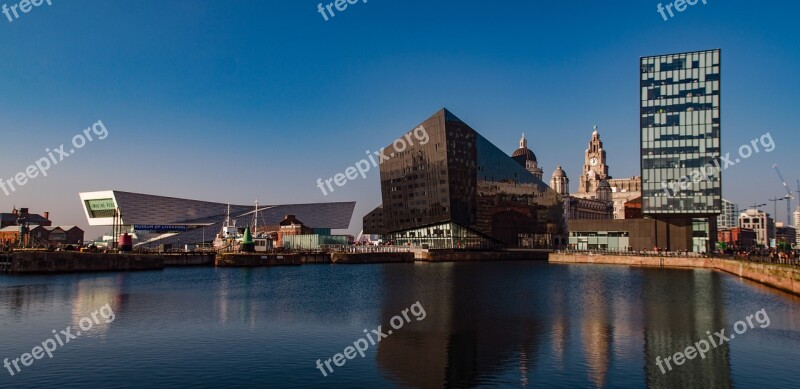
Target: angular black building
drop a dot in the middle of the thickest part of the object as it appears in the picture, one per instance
(457, 190)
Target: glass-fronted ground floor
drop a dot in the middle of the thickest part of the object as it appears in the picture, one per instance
(599, 240)
(451, 235)
(443, 236)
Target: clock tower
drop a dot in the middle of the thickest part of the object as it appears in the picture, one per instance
(595, 169)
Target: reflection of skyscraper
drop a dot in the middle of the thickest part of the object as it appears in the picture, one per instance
(466, 336)
(671, 327)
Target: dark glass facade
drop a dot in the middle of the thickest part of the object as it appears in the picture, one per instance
(460, 191)
(681, 141)
(680, 133)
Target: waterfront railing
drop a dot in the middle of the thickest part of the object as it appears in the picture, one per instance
(770, 258)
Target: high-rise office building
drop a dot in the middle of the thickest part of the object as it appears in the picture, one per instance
(680, 137)
(729, 218)
(796, 215)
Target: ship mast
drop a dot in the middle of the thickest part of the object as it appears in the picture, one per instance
(255, 218)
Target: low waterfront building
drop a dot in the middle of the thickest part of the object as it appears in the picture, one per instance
(174, 222)
(785, 234)
(633, 209)
(737, 238)
(628, 234)
(290, 226)
(43, 236)
(23, 215)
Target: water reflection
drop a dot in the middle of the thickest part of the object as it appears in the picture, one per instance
(90, 295)
(18, 299)
(596, 334)
(486, 324)
(680, 306)
(476, 331)
(473, 331)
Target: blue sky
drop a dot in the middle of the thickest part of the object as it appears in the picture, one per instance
(229, 101)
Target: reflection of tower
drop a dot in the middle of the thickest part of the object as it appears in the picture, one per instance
(559, 182)
(595, 169)
(596, 333)
(671, 327)
(525, 157)
(466, 337)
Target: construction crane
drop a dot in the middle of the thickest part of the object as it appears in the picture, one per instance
(789, 196)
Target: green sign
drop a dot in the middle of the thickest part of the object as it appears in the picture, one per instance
(101, 205)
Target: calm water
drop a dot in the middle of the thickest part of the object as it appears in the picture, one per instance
(507, 324)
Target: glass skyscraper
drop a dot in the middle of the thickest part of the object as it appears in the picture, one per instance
(460, 191)
(680, 141)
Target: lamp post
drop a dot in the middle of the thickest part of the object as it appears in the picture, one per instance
(755, 207)
(775, 218)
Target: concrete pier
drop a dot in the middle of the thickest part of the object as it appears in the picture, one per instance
(32, 262)
(364, 258)
(256, 260)
(189, 259)
(463, 255)
(783, 277)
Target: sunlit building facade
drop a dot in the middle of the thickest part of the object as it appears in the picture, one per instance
(460, 191)
(680, 134)
(160, 220)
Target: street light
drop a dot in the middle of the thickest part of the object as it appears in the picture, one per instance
(775, 209)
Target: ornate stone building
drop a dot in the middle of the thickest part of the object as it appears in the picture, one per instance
(595, 176)
(525, 157)
(595, 168)
(559, 181)
(576, 208)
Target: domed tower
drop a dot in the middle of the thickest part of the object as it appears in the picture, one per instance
(527, 158)
(604, 191)
(559, 182)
